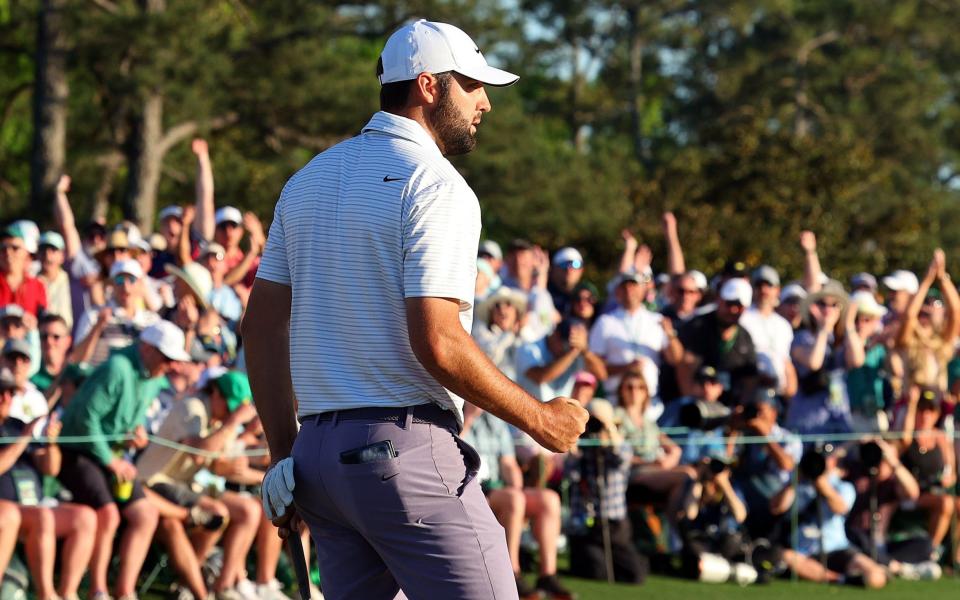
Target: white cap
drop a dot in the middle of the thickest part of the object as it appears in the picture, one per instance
(228, 214)
(171, 211)
(867, 304)
(127, 266)
(429, 47)
(52, 239)
(902, 281)
(492, 248)
(210, 374)
(168, 339)
(737, 290)
(568, 254)
(699, 279)
(31, 234)
(792, 290)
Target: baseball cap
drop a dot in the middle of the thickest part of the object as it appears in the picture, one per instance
(867, 304)
(126, 267)
(737, 290)
(228, 214)
(706, 373)
(29, 233)
(735, 268)
(699, 279)
(168, 339)
(585, 378)
(173, 211)
(490, 248)
(518, 244)
(209, 375)
(864, 280)
(11, 310)
(766, 274)
(568, 255)
(902, 280)
(52, 239)
(792, 291)
(623, 278)
(235, 387)
(214, 248)
(430, 47)
(7, 382)
(15, 346)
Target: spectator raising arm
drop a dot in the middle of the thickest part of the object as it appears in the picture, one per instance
(812, 274)
(184, 256)
(675, 262)
(66, 223)
(204, 225)
(257, 240)
(936, 270)
(630, 246)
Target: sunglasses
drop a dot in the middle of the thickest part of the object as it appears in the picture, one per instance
(571, 264)
(122, 278)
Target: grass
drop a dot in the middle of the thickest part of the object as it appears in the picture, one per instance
(664, 588)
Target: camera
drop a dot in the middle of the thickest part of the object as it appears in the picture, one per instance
(871, 455)
(593, 427)
(704, 415)
(813, 464)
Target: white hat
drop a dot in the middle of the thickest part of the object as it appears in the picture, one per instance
(867, 304)
(699, 279)
(210, 374)
(566, 255)
(902, 281)
(52, 239)
(127, 266)
(737, 290)
(31, 234)
(173, 211)
(228, 214)
(168, 339)
(492, 248)
(213, 248)
(197, 277)
(792, 290)
(11, 310)
(429, 47)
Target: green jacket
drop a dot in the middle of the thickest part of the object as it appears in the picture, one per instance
(112, 401)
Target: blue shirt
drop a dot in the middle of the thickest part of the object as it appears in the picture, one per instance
(537, 354)
(832, 533)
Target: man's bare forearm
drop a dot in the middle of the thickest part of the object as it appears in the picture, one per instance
(266, 337)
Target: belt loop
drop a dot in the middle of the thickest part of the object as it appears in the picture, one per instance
(336, 418)
(408, 419)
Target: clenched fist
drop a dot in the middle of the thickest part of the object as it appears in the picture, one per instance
(561, 424)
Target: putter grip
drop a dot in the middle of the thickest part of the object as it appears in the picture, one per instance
(295, 548)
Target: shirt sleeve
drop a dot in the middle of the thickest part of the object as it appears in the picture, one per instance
(106, 385)
(274, 265)
(441, 231)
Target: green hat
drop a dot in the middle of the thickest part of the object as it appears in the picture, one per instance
(235, 387)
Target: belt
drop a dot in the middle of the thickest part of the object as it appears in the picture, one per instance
(422, 413)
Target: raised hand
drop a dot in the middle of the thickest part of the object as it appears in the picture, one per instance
(643, 258)
(669, 222)
(63, 184)
(255, 228)
(189, 215)
(199, 147)
(808, 241)
(563, 421)
(628, 238)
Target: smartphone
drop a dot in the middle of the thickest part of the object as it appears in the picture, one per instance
(370, 453)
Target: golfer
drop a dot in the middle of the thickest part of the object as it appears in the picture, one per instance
(358, 326)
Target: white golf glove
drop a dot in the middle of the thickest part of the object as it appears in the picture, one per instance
(276, 491)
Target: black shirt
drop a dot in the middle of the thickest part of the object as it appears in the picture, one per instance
(22, 482)
(735, 360)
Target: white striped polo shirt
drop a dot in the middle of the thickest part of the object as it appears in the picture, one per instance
(373, 220)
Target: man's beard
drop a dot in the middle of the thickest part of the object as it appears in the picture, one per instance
(451, 129)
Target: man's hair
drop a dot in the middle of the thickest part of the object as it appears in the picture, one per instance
(48, 318)
(394, 96)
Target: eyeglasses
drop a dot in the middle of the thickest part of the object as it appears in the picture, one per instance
(571, 264)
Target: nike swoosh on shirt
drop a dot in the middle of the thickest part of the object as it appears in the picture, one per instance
(387, 178)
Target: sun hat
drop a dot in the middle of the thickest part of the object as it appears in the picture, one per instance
(430, 47)
(197, 277)
(167, 338)
(502, 294)
(832, 289)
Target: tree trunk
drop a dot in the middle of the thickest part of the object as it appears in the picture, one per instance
(636, 82)
(145, 158)
(51, 90)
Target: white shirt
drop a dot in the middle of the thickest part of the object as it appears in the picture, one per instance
(366, 224)
(772, 337)
(620, 337)
(28, 404)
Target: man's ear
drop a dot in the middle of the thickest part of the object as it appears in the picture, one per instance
(427, 88)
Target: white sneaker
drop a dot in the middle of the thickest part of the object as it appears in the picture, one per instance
(929, 571)
(247, 589)
(271, 591)
(744, 574)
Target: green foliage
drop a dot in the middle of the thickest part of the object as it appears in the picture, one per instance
(751, 119)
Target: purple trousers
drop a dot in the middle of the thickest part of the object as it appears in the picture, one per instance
(415, 526)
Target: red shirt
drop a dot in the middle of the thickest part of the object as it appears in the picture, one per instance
(31, 295)
(235, 258)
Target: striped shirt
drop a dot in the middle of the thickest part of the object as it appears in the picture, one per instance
(366, 224)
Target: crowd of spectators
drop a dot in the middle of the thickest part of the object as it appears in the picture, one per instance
(124, 404)
(742, 428)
